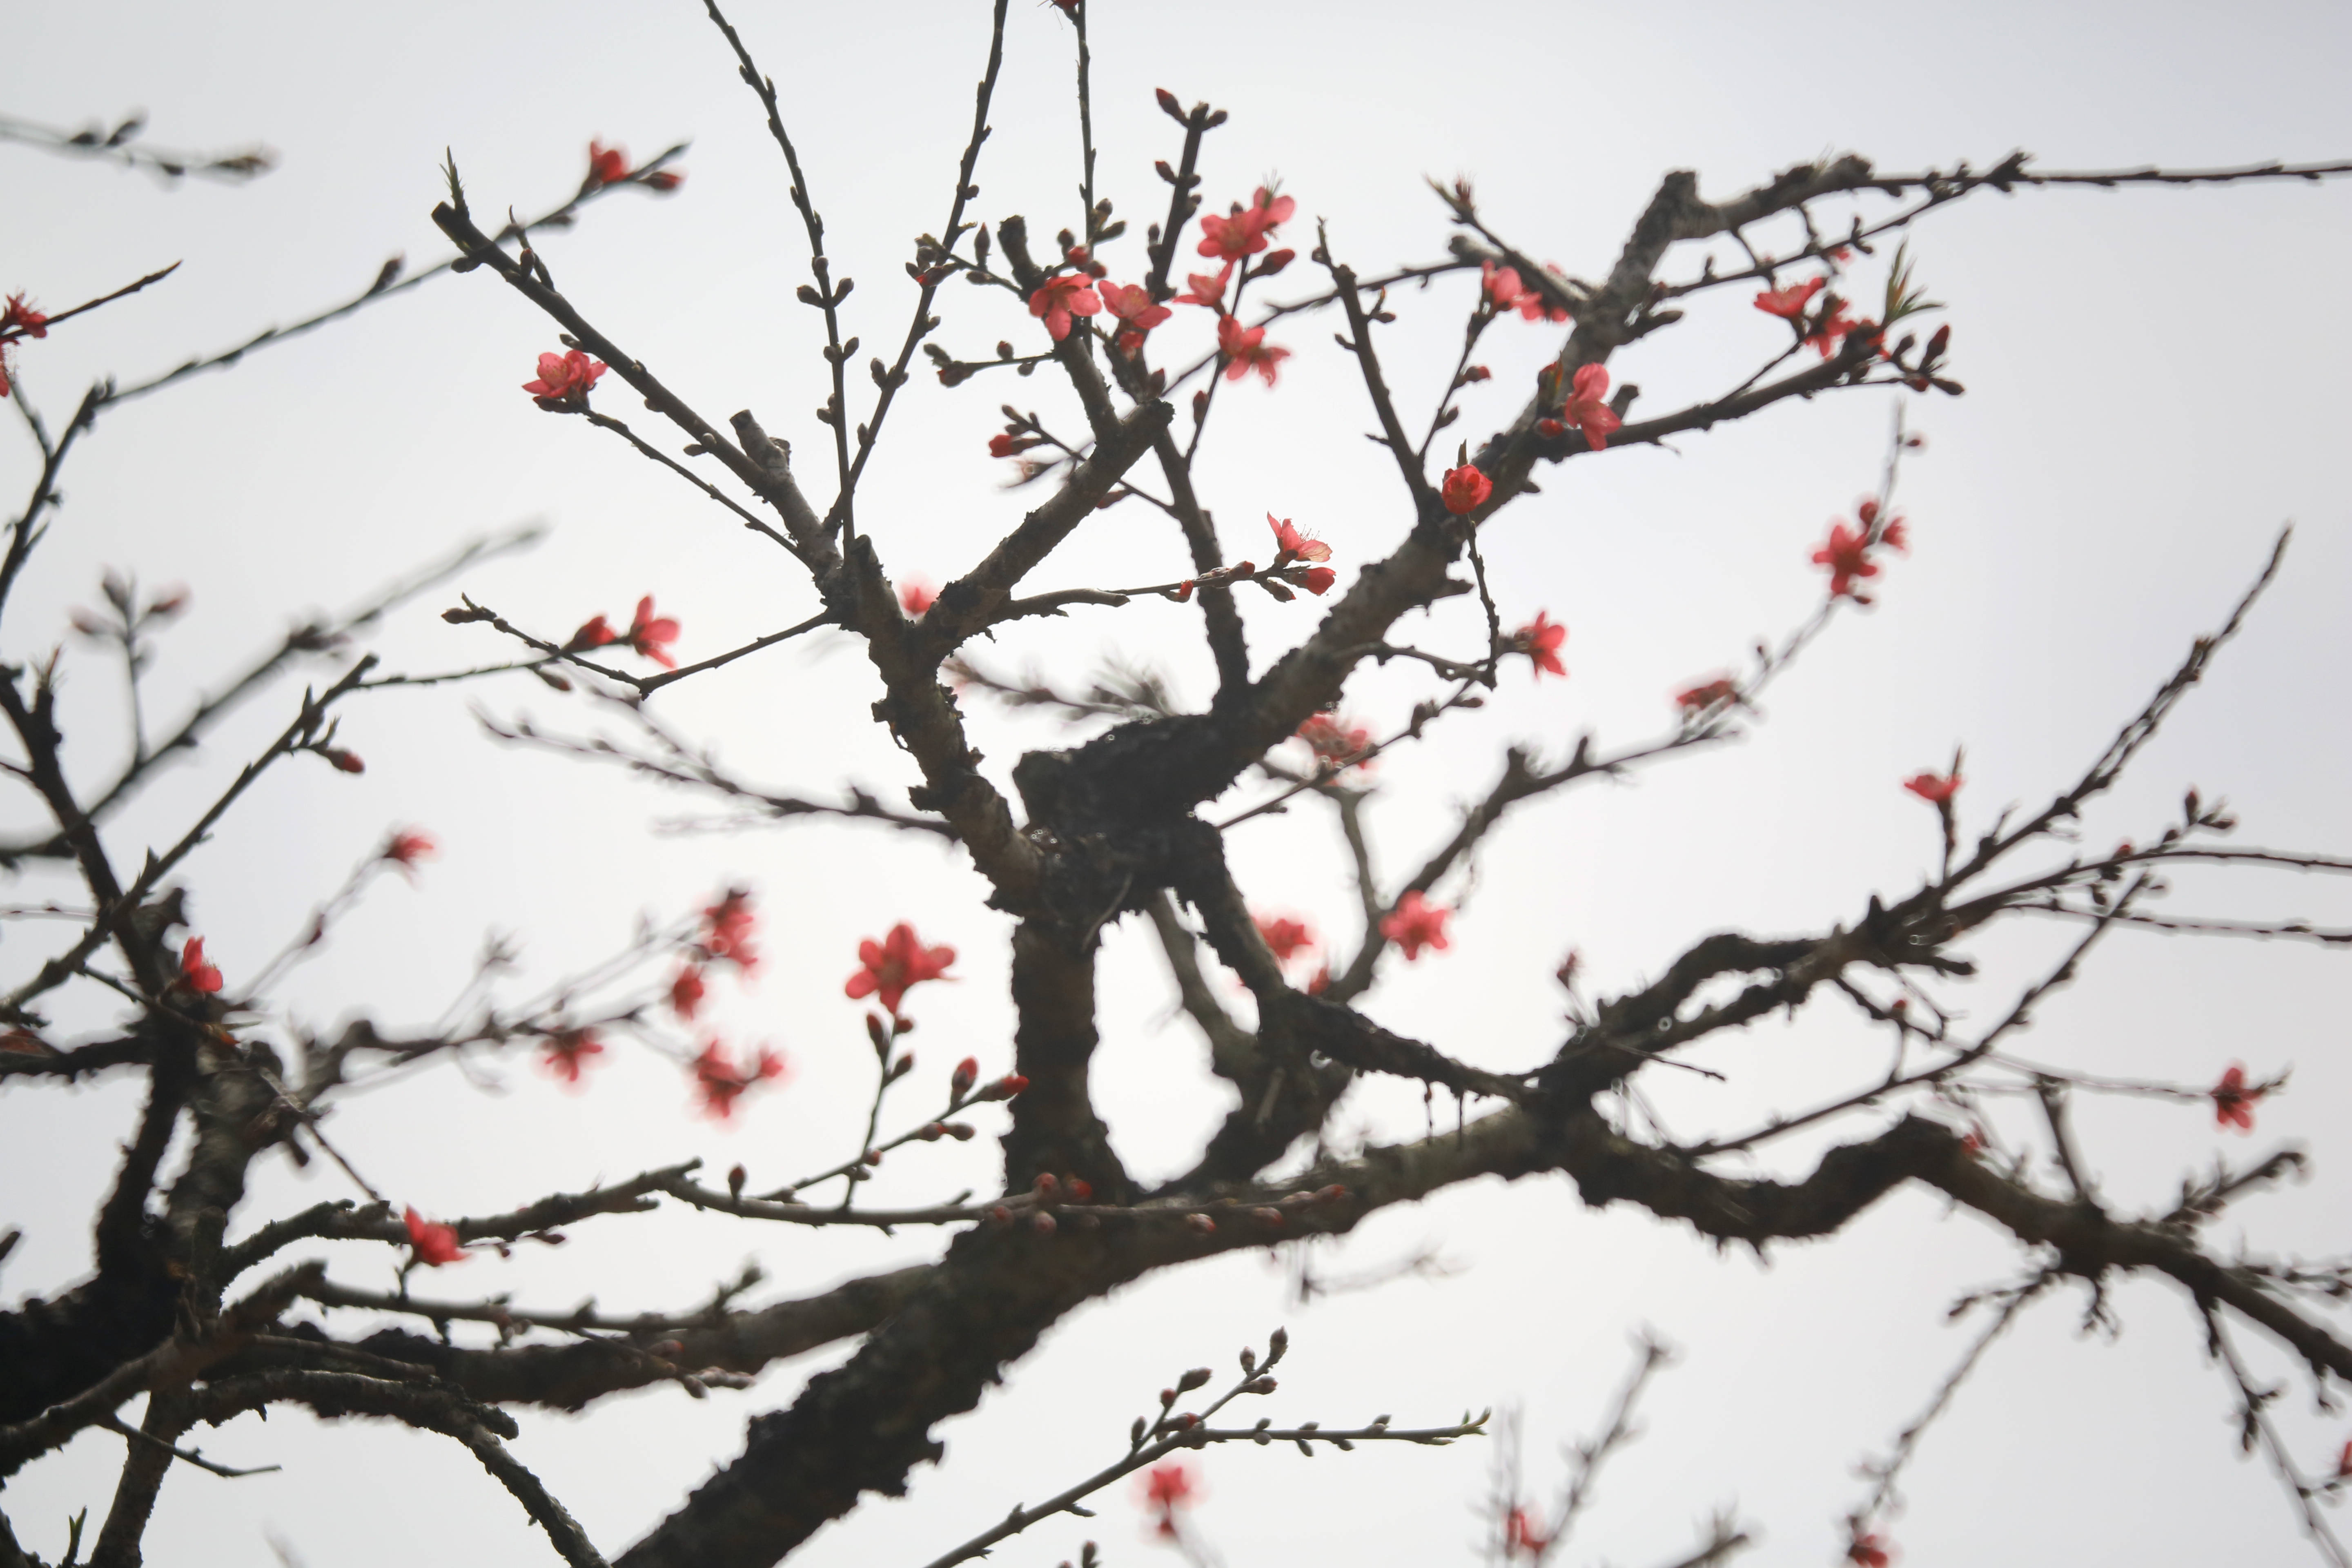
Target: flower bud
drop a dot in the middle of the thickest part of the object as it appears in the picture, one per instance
(967, 1073)
(736, 1177)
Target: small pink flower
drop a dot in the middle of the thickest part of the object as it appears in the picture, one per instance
(435, 1245)
(1790, 303)
(1416, 924)
(1466, 490)
(722, 1083)
(1245, 349)
(1290, 545)
(891, 966)
(1242, 231)
(917, 596)
(1935, 790)
(565, 377)
(1137, 311)
(1059, 298)
(1208, 289)
(2233, 1102)
(652, 638)
(1285, 936)
(405, 848)
(606, 165)
(194, 973)
(1539, 640)
(565, 1053)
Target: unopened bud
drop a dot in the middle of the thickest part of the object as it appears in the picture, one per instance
(1080, 1189)
(878, 1032)
(967, 1073)
(345, 762)
(1046, 1184)
(1200, 1223)
(736, 1177)
(1193, 1380)
(1043, 1224)
(1005, 1088)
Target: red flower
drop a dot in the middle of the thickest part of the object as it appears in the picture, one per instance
(652, 638)
(1317, 580)
(1868, 1552)
(606, 165)
(1334, 741)
(566, 376)
(686, 992)
(593, 633)
(1934, 790)
(1245, 349)
(1790, 303)
(1847, 555)
(726, 931)
(1243, 232)
(1208, 289)
(1540, 640)
(1466, 490)
(1834, 327)
(2233, 1102)
(1507, 290)
(1059, 298)
(1166, 1488)
(1520, 1535)
(896, 962)
(405, 848)
(1697, 699)
(1287, 937)
(1137, 310)
(194, 973)
(436, 1244)
(1502, 286)
(1416, 924)
(917, 596)
(19, 320)
(1588, 406)
(722, 1083)
(567, 1051)
(1292, 545)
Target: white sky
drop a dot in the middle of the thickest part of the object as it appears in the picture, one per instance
(2155, 386)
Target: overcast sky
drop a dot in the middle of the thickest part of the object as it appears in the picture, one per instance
(2155, 388)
